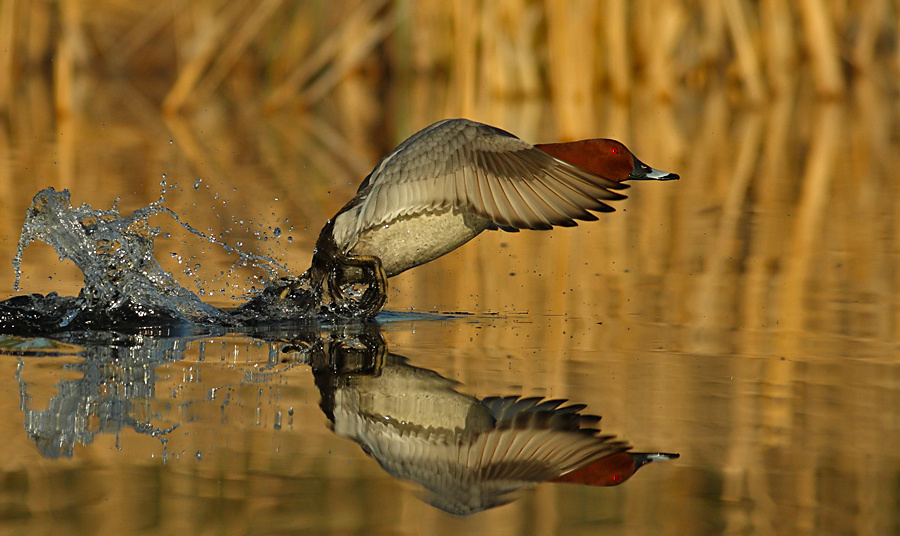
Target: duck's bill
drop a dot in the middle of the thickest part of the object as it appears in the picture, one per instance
(643, 458)
(643, 172)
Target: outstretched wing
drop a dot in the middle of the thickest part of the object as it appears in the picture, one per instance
(485, 170)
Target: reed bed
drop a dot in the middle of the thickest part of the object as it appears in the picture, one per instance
(299, 51)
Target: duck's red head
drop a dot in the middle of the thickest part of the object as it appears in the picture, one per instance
(608, 158)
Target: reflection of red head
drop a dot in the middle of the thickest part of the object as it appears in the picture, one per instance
(612, 470)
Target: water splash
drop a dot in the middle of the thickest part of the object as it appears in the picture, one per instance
(115, 254)
(124, 284)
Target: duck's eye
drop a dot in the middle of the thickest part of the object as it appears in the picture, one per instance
(614, 150)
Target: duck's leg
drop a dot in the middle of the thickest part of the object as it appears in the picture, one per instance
(375, 295)
(312, 279)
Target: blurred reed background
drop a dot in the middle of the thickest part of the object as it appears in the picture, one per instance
(296, 53)
(778, 247)
(276, 94)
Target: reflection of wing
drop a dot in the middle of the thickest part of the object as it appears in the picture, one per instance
(508, 408)
(535, 441)
(472, 166)
(503, 461)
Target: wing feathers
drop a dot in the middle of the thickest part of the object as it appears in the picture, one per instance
(470, 166)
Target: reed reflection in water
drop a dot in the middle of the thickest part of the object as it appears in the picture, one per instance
(746, 318)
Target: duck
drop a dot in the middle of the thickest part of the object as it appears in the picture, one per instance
(445, 185)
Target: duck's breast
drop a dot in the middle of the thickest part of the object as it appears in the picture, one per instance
(415, 239)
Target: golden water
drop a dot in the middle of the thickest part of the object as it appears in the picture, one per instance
(746, 316)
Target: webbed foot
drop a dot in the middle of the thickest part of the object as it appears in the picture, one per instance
(373, 298)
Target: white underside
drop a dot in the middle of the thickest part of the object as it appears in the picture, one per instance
(413, 240)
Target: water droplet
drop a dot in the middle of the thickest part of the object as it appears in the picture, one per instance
(276, 232)
(197, 184)
(199, 455)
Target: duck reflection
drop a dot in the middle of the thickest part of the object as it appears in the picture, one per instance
(469, 454)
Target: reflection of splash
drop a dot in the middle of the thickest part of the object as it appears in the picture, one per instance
(115, 388)
(469, 454)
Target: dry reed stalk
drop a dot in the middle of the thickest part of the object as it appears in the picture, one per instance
(523, 52)
(863, 54)
(465, 63)
(494, 60)
(661, 124)
(232, 50)
(617, 55)
(7, 51)
(184, 15)
(715, 31)
(360, 118)
(570, 44)
(748, 63)
(205, 44)
(507, 63)
(295, 41)
(140, 35)
(821, 43)
(69, 131)
(39, 31)
(668, 21)
(429, 34)
(349, 58)
(68, 51)
(327, 52)
(740, 456)
(9, 219)
(428, 101)
(780, 47)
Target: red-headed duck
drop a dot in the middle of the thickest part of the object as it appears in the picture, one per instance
(446, 184)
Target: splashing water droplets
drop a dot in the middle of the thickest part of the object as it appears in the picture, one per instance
(124, 284)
